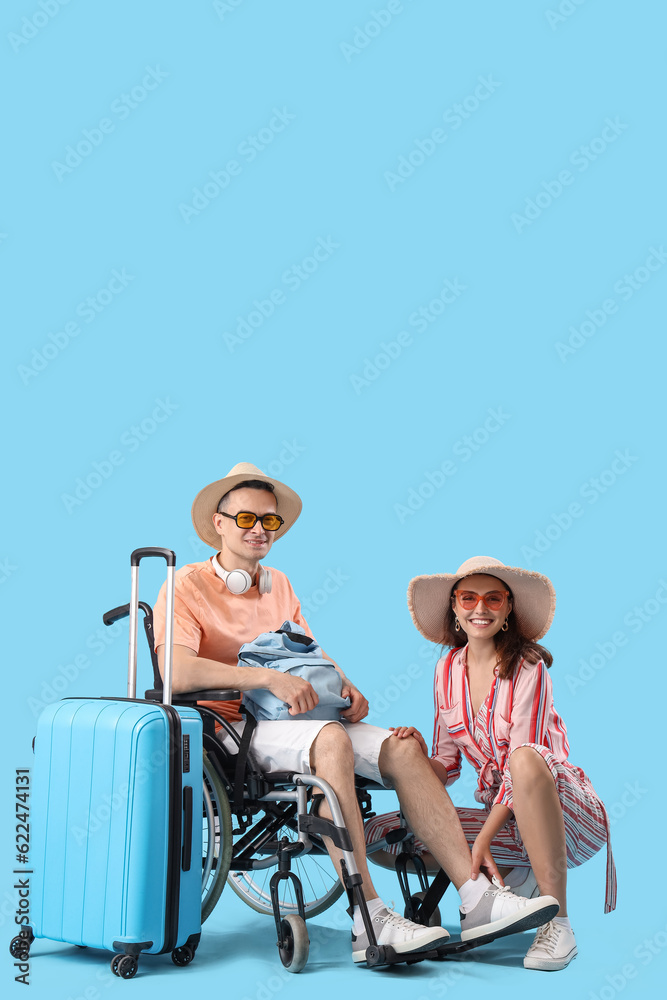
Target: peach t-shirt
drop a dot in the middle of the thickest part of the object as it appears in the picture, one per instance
(215, 623)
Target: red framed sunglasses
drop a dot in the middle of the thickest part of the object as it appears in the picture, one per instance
(494, 600)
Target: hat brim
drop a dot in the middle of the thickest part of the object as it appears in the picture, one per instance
(288, 505)
(534, 600)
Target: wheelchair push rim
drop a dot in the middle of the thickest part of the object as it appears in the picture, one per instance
(320, 883)
(216, 838)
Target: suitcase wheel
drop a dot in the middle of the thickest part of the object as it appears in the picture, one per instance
(124, 966)
(127, 967)
(183, 955)
(19, 947)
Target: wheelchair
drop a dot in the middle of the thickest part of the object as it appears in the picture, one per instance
(253, 823)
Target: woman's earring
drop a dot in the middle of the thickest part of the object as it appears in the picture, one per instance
(457, 624)
(505, 626)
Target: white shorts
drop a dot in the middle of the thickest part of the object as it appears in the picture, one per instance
(285, 745)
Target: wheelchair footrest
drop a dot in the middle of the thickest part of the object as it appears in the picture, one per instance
(455, 946)
(382, 955)
(378, 955)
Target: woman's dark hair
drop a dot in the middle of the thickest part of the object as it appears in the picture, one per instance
(512, 646)
(247, 484)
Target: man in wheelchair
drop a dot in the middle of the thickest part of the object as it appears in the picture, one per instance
(228, 600)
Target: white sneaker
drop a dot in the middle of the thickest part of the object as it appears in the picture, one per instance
(403, 935)
(500, 912)
(554, 947)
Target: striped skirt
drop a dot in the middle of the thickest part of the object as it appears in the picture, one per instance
(586, 825)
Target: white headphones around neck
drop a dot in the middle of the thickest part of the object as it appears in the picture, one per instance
(238, 581)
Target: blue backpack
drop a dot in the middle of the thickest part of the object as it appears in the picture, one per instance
(290, 650)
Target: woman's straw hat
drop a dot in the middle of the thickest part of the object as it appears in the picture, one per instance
(534, 598)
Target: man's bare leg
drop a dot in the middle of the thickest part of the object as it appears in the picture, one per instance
(427, 806)
(332, 759)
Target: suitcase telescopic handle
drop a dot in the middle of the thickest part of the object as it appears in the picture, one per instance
(140, 554)
(135, 559)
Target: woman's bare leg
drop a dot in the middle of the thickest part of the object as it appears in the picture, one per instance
(539, 817)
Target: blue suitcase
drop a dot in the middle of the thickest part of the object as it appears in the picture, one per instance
(117, 818)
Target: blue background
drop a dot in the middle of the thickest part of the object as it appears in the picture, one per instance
(336, 390)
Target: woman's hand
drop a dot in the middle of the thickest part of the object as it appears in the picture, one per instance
(482, 860)
(402, 732)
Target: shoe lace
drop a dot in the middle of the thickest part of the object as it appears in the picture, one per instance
(505, 895)
(501, 890)
(396, 920)
(546, 937)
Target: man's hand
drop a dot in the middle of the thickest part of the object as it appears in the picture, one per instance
(296, 692)
(402, 732)
(358, 709)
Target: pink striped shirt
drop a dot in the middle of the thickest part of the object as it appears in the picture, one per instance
(516, 711)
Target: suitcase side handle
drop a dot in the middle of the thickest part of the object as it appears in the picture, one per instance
(115, 615)
(186, 855)
(135, 559)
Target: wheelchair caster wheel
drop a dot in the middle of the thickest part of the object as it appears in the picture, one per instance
(374, 955)
(295, 943)
(19, 948)
(433, 921)
(127, 966)
(183, 955)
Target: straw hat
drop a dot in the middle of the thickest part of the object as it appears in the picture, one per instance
(534, 597)
(206, 502)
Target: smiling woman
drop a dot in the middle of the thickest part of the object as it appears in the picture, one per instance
(494, 706)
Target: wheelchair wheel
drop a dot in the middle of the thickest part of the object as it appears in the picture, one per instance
(434, 920)
(294, 952)
(217, 839)
(320, 883)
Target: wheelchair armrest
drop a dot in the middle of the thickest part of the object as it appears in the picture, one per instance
(279, 777)
(213, 695)
(190, 697)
